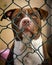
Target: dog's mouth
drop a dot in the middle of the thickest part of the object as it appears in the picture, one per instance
(27, 32)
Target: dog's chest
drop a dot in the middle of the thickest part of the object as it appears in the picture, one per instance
(30, 59)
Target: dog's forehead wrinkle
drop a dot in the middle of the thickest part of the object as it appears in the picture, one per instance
(26, 12)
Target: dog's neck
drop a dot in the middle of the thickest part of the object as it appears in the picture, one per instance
(35, 42)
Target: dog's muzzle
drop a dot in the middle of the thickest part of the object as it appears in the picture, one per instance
(26, 23)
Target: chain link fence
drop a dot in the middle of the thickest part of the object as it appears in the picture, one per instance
(10, 58)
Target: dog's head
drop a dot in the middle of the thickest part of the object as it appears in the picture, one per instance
(28, 21)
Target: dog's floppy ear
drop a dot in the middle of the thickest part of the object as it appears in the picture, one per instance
(43, 13)
(8, 14)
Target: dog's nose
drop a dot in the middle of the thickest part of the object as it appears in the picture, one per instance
(25, 22)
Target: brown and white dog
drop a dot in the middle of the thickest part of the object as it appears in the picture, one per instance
(26, 24)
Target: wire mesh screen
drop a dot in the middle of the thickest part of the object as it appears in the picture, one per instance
(28, 47)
